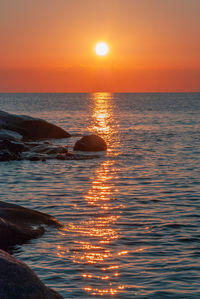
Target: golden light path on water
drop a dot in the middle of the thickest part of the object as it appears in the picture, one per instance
(101, 196)
(104, 122)
(94, 237)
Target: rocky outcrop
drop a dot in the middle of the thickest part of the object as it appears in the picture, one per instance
(20, 139)
(90, 143)
(18, 224)
(37, 151)
(30, 128)
(17, 280)
(44, 151)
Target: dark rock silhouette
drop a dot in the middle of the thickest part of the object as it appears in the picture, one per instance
(37, 151)
(43, 151)
(22, 215)
(31, 128)
(16, 227)
(16, 224)
(18, 281)
(20, 139)
(10, 150)
(12, 234)
(90, 143)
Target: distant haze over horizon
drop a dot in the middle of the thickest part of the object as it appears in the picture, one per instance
(48, 46)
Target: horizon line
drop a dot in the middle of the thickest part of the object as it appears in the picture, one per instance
(90, 92)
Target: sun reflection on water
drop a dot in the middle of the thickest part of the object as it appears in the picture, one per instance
(103, 119)
(93, 238)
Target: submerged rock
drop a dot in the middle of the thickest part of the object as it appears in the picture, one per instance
(18, 281)
(90, 143)
(31, 128)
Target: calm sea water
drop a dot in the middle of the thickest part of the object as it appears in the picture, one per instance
(132, 216)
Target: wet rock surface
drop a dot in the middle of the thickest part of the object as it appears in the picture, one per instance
(17, 280)
(90, 143)
(19, 225)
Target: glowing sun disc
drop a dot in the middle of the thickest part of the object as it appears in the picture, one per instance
(101, 49)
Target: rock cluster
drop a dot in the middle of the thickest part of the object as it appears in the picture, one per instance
(23, 137)
(17, 226)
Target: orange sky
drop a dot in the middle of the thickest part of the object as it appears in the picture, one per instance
(47, 45)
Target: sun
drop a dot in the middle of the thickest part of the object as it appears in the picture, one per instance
(101, 49)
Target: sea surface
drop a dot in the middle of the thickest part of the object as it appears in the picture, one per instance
(132, 216)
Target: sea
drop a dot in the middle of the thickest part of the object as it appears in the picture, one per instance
(131, 217)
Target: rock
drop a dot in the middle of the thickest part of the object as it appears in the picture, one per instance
(21, 135)
(16, 224)
(43, 151)
(13, 146)
(46, 151)
(12, 234)
(36, 157)
(90, 143)
(10, 135)
(10, 150)
(31, 128)
(7, 156)
(15, 128)
(41, 129)
(49, 149)
(24, 216)
(18, 281)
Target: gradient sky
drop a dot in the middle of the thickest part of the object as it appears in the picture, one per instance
(47, 45)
